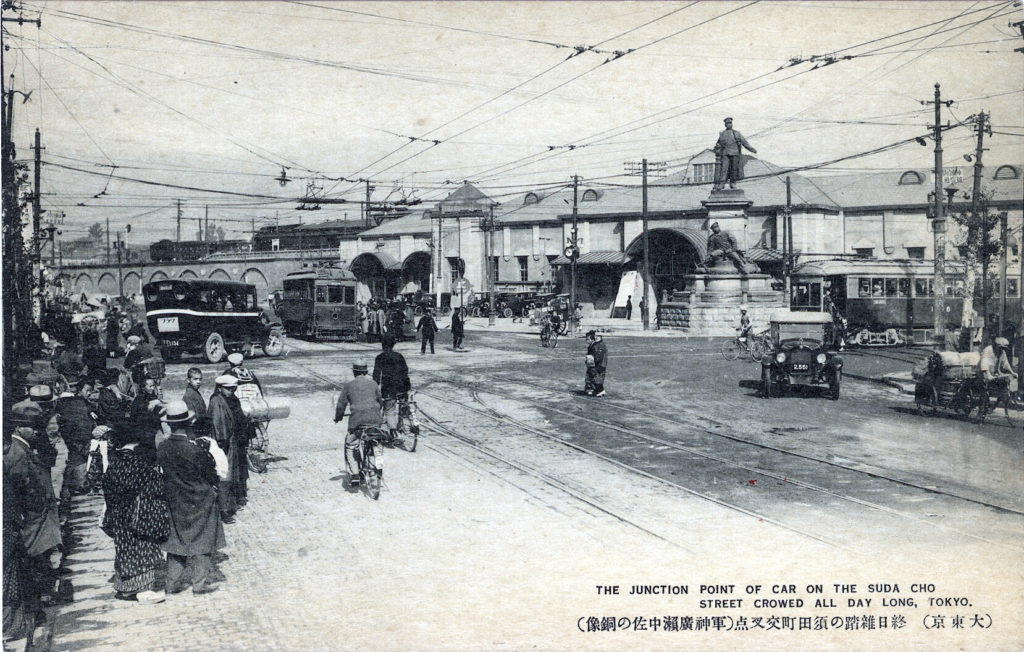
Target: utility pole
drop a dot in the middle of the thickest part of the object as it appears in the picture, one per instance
(574, 244)
(787, 242)
(489, 239)
(37, 236)
(120, 277)
(107, 259)
(939, 229)
(369, 190)
(647, 259)
(980, 221)
(1002, 273)
(177, 235)
(440, 261)
(205, 235)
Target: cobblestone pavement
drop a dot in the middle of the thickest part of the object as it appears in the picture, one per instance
(464, 552)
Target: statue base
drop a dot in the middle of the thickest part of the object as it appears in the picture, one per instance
(710, 304)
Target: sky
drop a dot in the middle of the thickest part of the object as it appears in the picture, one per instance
(142, 104)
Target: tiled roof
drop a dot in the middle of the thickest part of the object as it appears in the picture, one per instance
(884, 189)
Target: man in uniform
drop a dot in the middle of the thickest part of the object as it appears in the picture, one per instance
(364, 396)
(427, 327)
(728, 150)
(723, 245)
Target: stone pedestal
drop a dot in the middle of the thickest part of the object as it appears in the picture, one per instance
(710, 303)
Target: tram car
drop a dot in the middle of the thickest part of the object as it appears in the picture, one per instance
(885, 302)
(319, 303)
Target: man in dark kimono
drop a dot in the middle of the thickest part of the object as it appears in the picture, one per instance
(222, 420)
(458, 329)
(238, 461)
(190, 485)
(76, 424)
(595, 373)
(193, 399)
(30, 478)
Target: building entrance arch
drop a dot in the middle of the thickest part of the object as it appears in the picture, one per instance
(378, 271)
(416, 272)
(675, 253)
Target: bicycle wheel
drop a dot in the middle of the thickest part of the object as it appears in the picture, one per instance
(410, 434)
(757, 350)
(554, 339)
(731, 349)
(545, 337)
(369, 472)
(256, 451)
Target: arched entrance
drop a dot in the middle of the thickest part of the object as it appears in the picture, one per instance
(187, 274)
(377, 271)
(132, 283)
(83, 283)
(157, 276)
(675, 253)
(256, 277)
(107, 284)
(416, 272)
(219, 274)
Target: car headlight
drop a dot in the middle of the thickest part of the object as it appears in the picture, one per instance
(780, 357)
(821, 358)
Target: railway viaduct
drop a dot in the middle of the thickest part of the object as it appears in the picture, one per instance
(265, 270)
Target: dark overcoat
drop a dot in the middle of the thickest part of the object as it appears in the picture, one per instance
(40, 529)
(190, 485)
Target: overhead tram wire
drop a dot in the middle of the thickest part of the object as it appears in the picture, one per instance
(435, 142)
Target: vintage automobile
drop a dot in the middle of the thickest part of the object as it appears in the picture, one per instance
(801, 353)
(208, 317)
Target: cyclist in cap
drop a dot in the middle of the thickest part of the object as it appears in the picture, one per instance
(363, 395)
(744, 329)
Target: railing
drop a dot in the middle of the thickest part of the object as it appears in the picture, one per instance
(271, 255)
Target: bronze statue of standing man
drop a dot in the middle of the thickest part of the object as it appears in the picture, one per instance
(728, 165)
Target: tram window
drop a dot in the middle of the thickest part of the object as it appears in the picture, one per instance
(335, 293)
(863, 287)
(877, 287)
(891, 287)
(904, 287)
(1011, 287)
(806, 295)
(321, 294)
(350, 295)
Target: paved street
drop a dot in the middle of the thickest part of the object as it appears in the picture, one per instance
(524, 494)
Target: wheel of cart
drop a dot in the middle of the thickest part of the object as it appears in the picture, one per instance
(260, 412)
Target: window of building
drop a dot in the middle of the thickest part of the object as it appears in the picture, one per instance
(524, 267)
(703, 172)
(911, 178)
(590, 195)
(1007, 172)
(531, 198)
(915, 252)
(865, 252)
(458, 268)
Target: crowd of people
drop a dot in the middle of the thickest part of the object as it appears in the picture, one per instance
(172, 473)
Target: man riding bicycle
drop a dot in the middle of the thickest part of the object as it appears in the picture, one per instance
(391, 373)
(994, 367)
(364, 396)
(745, 325)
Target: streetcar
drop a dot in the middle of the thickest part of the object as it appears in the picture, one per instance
(887, 302)
(319, 303)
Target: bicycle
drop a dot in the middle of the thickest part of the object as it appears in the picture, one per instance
(407, 431)
(999, 389)
(370, 457)
(752, 346)
(549, 336)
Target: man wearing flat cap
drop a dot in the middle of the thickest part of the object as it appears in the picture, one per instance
(728, 150)
(190, 485)
(363, 395)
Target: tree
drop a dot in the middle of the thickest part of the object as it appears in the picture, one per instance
(979, 247)
(96, 231)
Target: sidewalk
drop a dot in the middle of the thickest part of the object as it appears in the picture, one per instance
(603, 325)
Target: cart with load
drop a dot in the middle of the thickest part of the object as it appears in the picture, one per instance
(948, 380)
(260, 411)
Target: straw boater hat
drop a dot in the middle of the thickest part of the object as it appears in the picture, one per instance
(134, 339)
(226, 380)
(359, 365)
(178, 412)
(40, 393)
(25, 413)
(236, 359)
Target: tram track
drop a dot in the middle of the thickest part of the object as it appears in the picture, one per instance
(546, 478)
(476, 389)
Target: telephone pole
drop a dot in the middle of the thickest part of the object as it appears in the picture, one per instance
(939, 228)
(979, 218)
(574, 246)
(37, 236)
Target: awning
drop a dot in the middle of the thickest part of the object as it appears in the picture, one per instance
(765, 255)
(387, 261)
(594, 258)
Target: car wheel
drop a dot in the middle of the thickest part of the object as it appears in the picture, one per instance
(833, 385)
(273, 345)
(214, 348)
(507, 312)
